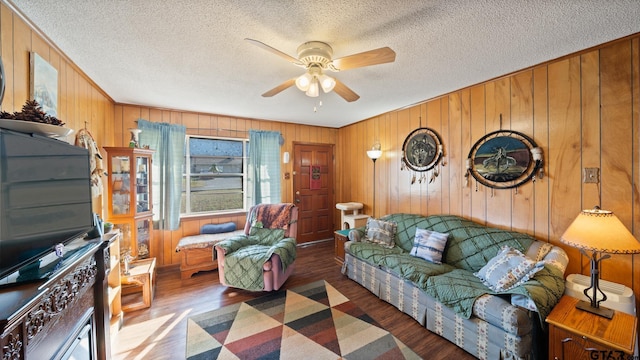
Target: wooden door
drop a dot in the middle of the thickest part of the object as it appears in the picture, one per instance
(313, 191)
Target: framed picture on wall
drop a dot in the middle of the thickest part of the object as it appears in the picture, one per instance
(504, 159)
(44, 84)
(422, 149)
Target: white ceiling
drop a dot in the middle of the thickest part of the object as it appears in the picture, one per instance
(190, 54)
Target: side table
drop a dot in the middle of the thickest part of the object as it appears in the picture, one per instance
(578, 334)
(340, 237)
(141, 277)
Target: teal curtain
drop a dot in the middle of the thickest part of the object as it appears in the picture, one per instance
(264, 167)
(168, 141)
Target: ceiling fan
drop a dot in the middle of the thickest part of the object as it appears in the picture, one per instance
(315, 57)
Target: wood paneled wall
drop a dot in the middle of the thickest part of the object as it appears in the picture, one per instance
(165, 242)
(81, 104)
(582, 110)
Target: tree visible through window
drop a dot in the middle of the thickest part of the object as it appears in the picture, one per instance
(214, 177)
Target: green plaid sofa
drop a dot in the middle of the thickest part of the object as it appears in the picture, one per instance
(448, 299)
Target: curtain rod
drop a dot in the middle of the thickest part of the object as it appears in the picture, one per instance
(218, 129)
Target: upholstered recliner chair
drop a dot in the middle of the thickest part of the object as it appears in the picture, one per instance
(264, 256)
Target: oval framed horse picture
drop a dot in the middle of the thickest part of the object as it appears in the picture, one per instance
(503, 159)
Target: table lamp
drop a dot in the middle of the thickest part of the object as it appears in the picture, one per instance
(599, 231)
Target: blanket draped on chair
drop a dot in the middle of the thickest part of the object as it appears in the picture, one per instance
(245, 255)
(271, 216)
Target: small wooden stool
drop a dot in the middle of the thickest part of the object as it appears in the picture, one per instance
(197, 252)
(142, 276)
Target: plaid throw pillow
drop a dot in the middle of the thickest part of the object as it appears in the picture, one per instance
(429, 245)
(381, 232)
(508, 269)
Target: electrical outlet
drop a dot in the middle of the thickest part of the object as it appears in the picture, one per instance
(591, 175)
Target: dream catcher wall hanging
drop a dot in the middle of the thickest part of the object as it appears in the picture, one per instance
(422, 151)
(504, 159)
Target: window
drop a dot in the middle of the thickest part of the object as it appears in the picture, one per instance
(214, 176)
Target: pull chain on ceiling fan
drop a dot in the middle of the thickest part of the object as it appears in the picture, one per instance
(315, 57)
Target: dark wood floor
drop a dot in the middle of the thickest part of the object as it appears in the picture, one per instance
(160, 331)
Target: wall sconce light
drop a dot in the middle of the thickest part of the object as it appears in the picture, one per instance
(374, 154)
(285, 157)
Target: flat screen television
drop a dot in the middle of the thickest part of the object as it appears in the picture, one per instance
(45, 199)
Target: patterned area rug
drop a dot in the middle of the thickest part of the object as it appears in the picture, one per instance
(313, 321)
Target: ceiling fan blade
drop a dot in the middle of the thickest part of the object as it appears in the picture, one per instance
(285, 85)
(274, 51)
(346, 93)
(367, 58)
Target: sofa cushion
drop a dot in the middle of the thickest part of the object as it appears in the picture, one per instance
(498, 311)
(407, 225)
(381, 232)
(470, 244)
(509, 268)
(412, 268)
(429, 245)
(482, 337)
(370, 252)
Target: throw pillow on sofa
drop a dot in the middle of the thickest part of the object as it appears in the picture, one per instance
(508, 269)
(429, 245)
(381, 232)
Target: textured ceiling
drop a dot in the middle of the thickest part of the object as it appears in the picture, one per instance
(190, 54)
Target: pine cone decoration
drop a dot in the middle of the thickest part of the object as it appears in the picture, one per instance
(32, 111)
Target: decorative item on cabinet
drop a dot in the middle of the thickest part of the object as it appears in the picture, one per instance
(135, 135)
(130, 200)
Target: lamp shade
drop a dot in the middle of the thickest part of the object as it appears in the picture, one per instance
(313, 90)
(327, 83)
(374, 154)
(303, 82)
(600, 231)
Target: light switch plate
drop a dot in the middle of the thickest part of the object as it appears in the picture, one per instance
(591, 175)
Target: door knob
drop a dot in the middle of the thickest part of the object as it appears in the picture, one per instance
(297, 201)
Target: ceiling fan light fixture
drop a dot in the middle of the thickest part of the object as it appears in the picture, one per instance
(327, 83)
(317, 57)
(304, 81)
(313, 90)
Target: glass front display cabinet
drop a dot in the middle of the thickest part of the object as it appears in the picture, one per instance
(129, 199)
